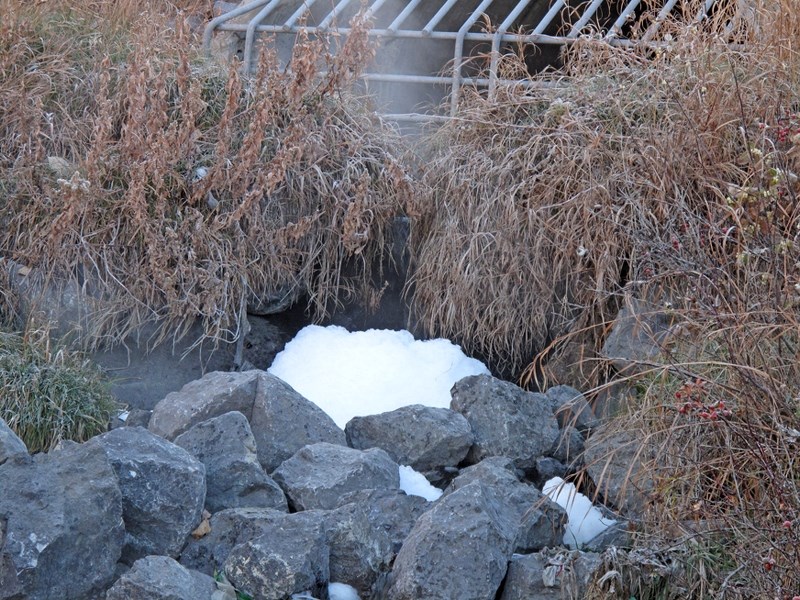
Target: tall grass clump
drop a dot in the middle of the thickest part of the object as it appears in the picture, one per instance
(175, 188)
(48, 395)
(667, 173)
(549, 201)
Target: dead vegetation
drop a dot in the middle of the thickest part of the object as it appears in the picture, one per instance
(174, 188)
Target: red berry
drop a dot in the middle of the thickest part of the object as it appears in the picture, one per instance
(787, 524)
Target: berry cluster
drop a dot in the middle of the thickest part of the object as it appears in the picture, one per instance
(693, 399)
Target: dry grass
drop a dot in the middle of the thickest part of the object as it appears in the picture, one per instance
(548, 203)
(669, 174)
(106, 117)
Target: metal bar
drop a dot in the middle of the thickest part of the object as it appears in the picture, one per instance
(428, 29)
(332, 15)
(374, 7)
(616, 28)
(217, 21)
(660, 18)
(703, 12)
(495, 53)
(403, 15)
(304, 8)
(445, 80)
(529, 38)
(588, 14)
(249, 40)
(458, 56)
(548, 18)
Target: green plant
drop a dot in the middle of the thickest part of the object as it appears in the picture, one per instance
(48, 395)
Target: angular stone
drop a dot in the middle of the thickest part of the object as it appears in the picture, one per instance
(229, 528)
(283, 421)
(505, 419)
(422, 437)
(213, 395)
(460, 549)
(291, 557)
(550, 575)
(569, 445)
(61, 516)
(614, 460)
(163, 490)
(234, 477)
(539, 521)
(571, 408)
(391, 511)
(360, 553)
(318, 475)
(637, 336)
(161, 578)
(10, 444)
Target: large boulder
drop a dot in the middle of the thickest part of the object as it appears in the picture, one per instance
(291, 557)
(539, 521)
(360, 552)
(283, 421)
(391, 511)
(615, 461)
(460, 549)
(234, 477)
(318, 475)
(229, 528)
(215, 394)
(422, 437)
(161, 578)
(163, 490)
(505, 419)
(550, 575)
(638, 335)
(61, 521)
(571, 408)
(10, 444)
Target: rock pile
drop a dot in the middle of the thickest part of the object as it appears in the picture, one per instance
(239, 483)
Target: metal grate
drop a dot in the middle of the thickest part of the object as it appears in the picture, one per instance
(417, 39)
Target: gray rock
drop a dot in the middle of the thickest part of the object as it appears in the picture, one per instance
(229, 528)
(614, 460)
(161, 578)
(319, 474)
(617, 535)
(571, 408)
(550, 575)
(422, 437)
(391, 511)
(569, 445)
(234, 477)
(539, 521)
(291, 557)
(637, 336)
(360, 552)
(213, 395)
(460, 549)
(546, 468)
(505, 419)
(283, 421)
(10, 444)
(163, 490)
(10, 586)
(61, 516)
(134, 417)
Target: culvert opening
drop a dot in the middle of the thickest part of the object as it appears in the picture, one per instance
(427, 50)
